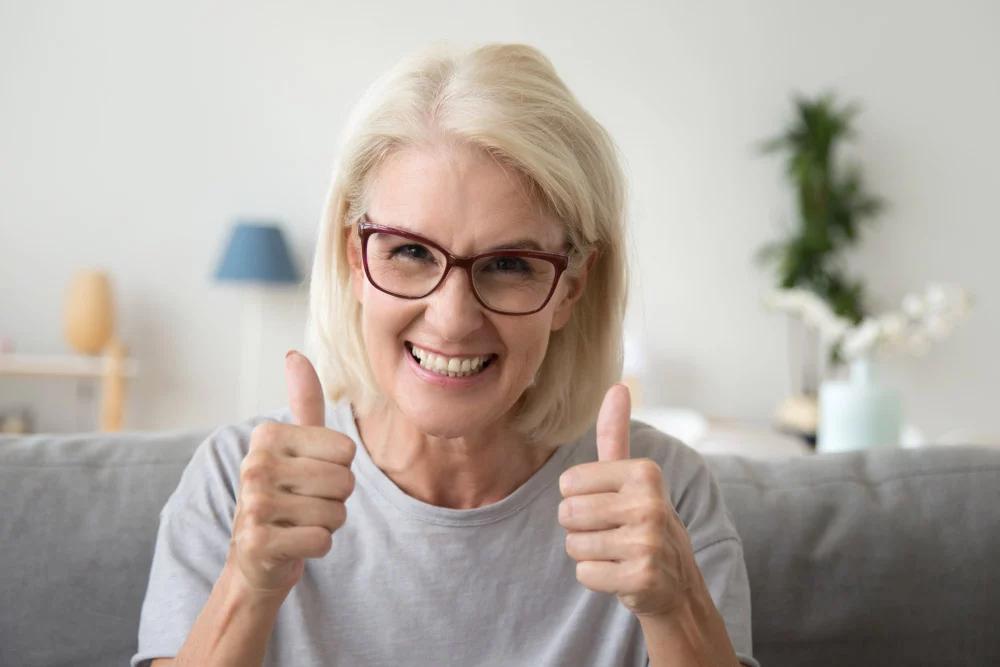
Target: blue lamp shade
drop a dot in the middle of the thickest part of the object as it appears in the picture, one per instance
(257, 253)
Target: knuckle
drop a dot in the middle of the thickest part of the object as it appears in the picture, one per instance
(257, 508)
(350, 483)
(266, 435)
(324, 542)
(650, 513)
(649, 472)
(346, 446)
(255, 540)
(337, 515)
(259, 471)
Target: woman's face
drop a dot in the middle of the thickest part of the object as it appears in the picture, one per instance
(466, 203)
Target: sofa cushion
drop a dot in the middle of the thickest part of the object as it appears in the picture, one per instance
(78, 519)
(886, 557)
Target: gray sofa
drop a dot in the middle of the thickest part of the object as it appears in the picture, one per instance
(880, 558)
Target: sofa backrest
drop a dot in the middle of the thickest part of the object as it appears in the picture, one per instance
(869, 558)
(884, 557)
(78, 520)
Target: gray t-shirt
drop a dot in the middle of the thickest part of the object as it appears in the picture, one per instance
(408, 583)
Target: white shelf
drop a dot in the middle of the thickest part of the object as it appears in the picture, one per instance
(61, 365)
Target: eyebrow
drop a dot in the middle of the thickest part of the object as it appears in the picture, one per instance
(521, 244)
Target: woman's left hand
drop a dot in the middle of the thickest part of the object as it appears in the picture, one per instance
(622, 529)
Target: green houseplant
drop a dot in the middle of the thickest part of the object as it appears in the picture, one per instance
(832, 208)
(832, 205)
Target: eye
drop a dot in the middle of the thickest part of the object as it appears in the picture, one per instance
(515, 265)
(413, 251)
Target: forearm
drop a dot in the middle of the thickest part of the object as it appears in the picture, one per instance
(234, 627)
(694, 634)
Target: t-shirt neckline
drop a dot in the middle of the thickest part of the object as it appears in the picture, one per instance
(407, 504)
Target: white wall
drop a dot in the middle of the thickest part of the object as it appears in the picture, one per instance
(132, 134)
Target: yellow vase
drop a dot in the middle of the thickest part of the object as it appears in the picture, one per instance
(90, 312)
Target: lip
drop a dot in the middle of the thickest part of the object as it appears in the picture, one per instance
(445, 381)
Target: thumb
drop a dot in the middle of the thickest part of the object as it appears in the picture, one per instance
(305, 394)
(612, 424)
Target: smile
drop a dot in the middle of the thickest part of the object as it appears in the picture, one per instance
(450, 366)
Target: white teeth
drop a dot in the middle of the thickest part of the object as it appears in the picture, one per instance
(450, 366)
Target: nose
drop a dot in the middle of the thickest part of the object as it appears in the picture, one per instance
(452, 309)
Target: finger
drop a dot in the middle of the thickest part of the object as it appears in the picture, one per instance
(603, 576)
(316, 479)
(305, 393)
(274, 440)
(595, 477)
(610, 545)
(596, 511)
(613, 423)
(318, 443)
(286, 509)
(275, 544)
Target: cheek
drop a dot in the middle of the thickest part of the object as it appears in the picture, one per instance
(526, 342)
(383, 319)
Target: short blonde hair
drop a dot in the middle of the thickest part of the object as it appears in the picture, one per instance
(506, 100)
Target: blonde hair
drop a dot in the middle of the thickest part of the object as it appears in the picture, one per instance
(506, 100)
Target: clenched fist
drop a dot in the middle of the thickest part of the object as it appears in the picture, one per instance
(293, 484)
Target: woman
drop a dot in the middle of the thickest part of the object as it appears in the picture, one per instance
(453, 503)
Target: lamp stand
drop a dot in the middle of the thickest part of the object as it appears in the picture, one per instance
(253, 310)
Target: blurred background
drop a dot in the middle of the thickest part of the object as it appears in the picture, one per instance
(135, 135)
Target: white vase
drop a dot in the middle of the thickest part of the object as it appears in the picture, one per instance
(858, 413)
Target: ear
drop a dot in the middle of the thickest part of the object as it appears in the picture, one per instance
(356, 264)
(577, 284)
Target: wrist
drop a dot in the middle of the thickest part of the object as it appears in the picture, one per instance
(691, 633)
(242, 592)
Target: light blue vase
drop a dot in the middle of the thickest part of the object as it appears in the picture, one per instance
(858, 413)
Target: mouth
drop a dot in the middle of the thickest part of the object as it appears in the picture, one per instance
(449, 366)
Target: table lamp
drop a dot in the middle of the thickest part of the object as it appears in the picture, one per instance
(256, 256)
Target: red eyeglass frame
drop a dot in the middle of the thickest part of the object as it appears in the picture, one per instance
(366, 228)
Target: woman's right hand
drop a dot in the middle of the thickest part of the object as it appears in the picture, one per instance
(293, 484)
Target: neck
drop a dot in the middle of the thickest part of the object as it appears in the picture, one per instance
(466, 472)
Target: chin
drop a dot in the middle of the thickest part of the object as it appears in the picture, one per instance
(445, 419)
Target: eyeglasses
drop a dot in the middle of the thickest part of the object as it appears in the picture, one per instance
(409, 266)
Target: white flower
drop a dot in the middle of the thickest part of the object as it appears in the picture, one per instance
(834, 328)
(862, 339)
(893, 327)
(923, 318)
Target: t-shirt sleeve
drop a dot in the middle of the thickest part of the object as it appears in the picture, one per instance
(718, 550)
(191, 546)
(725, 574)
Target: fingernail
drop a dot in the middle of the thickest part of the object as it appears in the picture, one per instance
(289, 354)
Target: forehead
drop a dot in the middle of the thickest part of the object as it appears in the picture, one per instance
(461, 198)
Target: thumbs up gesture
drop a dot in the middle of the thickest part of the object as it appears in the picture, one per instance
(293, 484)
(621, 527)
